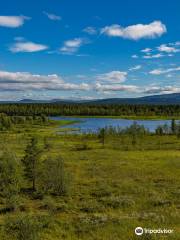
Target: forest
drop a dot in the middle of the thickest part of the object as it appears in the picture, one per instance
(90, 110)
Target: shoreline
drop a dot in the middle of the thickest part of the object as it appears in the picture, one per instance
(153, 118)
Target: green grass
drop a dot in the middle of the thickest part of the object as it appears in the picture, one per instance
(62, 122)
(113, 189)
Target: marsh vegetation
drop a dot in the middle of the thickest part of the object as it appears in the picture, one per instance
(86, 186)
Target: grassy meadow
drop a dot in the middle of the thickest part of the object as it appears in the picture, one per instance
(112, 187)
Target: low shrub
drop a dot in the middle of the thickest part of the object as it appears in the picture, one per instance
(25, 227)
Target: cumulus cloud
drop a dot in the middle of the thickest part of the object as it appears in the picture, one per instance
(72, 46)
(158, 55)
(90, 30)
(162, 90)
(136, 32)
(112, 77)
(12, 21)
(167, 49)
(52, 16)
(164, 50)
(146, 50)
(112, 82)
(134, 56)
(115, 87)
(136, 89)
(162, 71)
(23, 81)
(137, 67)
(27, 47)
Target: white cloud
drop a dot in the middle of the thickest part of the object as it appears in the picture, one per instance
(134, 56)
(115, 87)
(23, 81)
(136, 32)
(158, 55)
(112, 77)
(12, 21)
(167, 49)
(162, 71)
(52, 16)
(27, 47)
(137, 67)
(162, 90)
(90, 30)
(146, 50)
(72, 46)
(136, 89)
(164, 50)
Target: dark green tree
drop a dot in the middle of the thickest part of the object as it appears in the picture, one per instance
(159, 130)
(31, 161)
(101, 136)
(173, 126)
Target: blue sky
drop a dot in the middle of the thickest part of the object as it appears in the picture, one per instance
(89, 49)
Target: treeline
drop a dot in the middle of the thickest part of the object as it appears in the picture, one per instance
(135, 130)
(7, 122)
(134, 136)
(89, 110)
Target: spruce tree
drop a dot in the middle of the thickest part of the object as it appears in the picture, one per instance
(31, 161)
(102, 136)
(173, 126)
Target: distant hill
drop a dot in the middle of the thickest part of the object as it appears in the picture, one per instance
(155, 99)
(173, 98)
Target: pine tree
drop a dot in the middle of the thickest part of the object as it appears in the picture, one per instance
(31, 162)
(173, 126)
(102, 136)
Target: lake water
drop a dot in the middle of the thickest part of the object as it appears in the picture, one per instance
(93, 124)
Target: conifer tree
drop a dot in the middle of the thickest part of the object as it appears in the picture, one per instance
(173, 126)
(102, 136)
(31, 161)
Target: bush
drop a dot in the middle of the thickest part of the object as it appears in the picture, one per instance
(90, 206)
(118, 202)
(52, 206)
(25, 227)
(49, 204)
(102, 191)
(10, 180)
(13, 202)
(54, 179)
(82, 147)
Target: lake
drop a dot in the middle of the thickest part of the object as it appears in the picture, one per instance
(93, 124)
